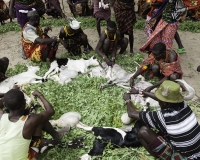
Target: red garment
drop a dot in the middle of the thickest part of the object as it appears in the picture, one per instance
(165, 68)
(192, 4)
(164, 32)
(32, 155)
(34, 51)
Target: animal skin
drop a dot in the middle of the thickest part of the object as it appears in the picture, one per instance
(116, 136)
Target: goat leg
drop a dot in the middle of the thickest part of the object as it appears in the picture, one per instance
(109, 83)
(56, 70)
(83, 126)
(123, 85)
(76, 143)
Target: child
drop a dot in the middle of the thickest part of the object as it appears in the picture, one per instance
(20, 133)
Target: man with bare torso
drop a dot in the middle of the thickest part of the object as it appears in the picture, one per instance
(108, 43)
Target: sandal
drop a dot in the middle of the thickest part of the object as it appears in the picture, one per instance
(181, 50)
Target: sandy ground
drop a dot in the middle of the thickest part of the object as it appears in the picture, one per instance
(11, 47)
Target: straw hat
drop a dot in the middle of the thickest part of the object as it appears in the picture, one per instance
(169, 91)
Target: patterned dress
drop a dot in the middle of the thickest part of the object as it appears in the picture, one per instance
(165, 29)
(166, 68)
(33, 50)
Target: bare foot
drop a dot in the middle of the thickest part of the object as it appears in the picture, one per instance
(131, 52)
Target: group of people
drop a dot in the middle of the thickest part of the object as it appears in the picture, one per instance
(162, 20)
(178, 137)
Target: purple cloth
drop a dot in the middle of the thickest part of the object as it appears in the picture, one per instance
(22, 18)
(160, 9)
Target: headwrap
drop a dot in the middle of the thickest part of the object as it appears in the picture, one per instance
(74, 24)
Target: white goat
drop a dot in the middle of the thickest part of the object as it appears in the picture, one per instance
(116, 75)
(52, 70)
(81, 65)
(28, 77)
(70, 69)
(69, 119)
(67, 75)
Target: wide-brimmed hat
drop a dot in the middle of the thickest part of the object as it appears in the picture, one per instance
(74, 24)
(169, 91)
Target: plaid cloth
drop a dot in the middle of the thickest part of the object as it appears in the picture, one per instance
(125, 16)
(34, 148)
(100, 13)
(164, 150)
(73, 43)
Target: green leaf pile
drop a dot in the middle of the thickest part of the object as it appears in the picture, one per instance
(97, 108)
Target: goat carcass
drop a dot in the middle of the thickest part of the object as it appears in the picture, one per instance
(111, 135)
(28, 77)
(139, 99)
(116, 75)
(69, 119)
(188, 93)
(80, 65)
(65, 75)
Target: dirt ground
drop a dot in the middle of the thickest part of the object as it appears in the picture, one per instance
(11, 47)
